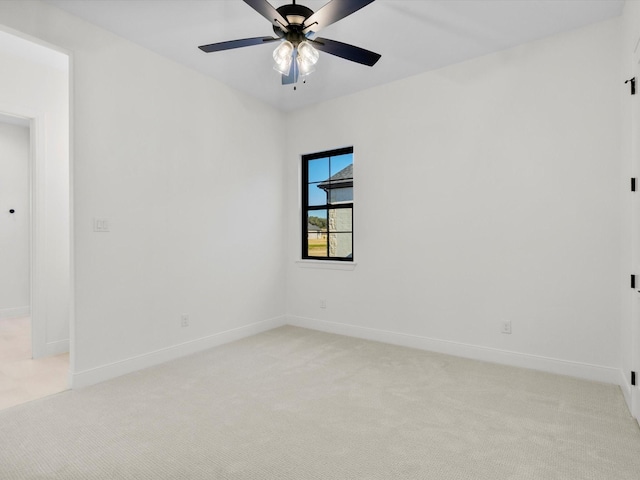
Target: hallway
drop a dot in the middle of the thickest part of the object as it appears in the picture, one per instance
(23, 379)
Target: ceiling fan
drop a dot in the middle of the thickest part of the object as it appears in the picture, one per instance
(295, 25)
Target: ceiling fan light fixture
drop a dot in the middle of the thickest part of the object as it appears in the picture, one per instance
(307, 58)
(296, 19)
(282, 56)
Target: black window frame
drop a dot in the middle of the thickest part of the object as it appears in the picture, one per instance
(306, 208)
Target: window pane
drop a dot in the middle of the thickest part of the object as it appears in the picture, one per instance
(317, 195)
(340, 163)
(317, 233)
(341, 195)
(318, 170)
(341, 245)
(341, 220)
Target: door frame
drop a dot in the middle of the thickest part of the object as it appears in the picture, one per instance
(38, 233)
(634, 392)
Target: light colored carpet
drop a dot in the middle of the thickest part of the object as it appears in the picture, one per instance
(298, 404)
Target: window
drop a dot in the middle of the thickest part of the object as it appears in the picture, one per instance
(327, 205)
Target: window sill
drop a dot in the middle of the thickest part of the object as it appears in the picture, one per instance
(326, 264)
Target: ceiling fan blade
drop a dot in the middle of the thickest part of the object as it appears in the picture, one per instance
(332, 12)
(346, 51)
(265, 9)
(245, 42)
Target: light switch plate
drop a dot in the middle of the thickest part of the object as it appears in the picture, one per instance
(100, 225)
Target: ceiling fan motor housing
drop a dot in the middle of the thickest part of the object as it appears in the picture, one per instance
(296, 16)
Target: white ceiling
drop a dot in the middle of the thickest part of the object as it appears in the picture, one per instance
(413, 36)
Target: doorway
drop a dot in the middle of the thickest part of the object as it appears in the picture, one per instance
(35, 220)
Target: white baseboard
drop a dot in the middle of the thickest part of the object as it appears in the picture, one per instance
(632, 397)
(515, 359)
(15, 312)
(122, 367)
(625, 386)
(474, 352)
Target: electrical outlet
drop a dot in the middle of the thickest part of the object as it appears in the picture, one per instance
(506, 327)
(323, 303)
(184, 320)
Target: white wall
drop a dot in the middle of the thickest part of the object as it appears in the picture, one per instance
(485, 191)
(14, 228)
(37, 89)
(186, 170)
